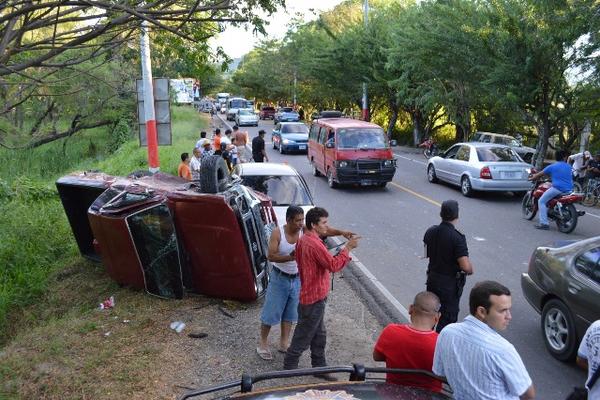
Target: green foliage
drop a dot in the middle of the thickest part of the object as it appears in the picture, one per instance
(36, 237)
(120, 134)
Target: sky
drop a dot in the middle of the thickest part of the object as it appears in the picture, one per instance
(236, 41)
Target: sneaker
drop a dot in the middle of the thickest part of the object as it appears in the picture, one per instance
(542, 227)
(326, 377)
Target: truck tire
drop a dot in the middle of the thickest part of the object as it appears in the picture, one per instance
(214, 175)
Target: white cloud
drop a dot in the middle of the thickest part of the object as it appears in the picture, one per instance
(236, 41)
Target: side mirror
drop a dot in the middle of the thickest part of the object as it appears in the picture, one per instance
(393, 142)
(330, 145)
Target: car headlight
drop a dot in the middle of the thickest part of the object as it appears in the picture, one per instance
(388, 163)
(343, 164)
(285, 141)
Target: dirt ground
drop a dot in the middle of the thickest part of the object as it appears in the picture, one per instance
(230, 347)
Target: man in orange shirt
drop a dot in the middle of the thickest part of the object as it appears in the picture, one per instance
(412, 346)
(217, 140)
(184, 167)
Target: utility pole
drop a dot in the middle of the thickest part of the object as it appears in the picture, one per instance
(149, 116)
(365, 99)
(295, 81)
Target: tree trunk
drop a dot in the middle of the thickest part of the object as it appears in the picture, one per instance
(585, 136)
(542, 144)
(417, 121)
(463, 124)
(393, 120)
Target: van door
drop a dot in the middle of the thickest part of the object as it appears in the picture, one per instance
(329, 156)
(315, 152)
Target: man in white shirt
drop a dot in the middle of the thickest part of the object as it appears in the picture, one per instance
(195, 164)
(478, 363)
(588, 358)
(579, 162)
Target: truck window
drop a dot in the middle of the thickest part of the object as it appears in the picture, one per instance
(362, 138)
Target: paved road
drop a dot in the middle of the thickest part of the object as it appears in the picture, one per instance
(392, 222)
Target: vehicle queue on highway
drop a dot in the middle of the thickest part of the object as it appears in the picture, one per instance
(499, 168)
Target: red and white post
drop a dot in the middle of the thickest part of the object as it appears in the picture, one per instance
(151, 134)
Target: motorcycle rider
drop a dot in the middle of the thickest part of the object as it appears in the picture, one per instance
(562, 182)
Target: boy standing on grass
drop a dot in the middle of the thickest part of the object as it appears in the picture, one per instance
(184, 167)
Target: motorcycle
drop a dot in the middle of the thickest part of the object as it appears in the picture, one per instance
(561, 209)
(429, 148)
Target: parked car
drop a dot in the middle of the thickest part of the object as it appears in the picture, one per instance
(286, 114)
(563, 285)
(290, 136)
(526, 153)
(167, 236)
(349, 151)
(358, 386)
(246, 117)
(280, 182)
(267, 112)
(480, 167)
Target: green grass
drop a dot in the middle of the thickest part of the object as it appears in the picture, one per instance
(36, 237)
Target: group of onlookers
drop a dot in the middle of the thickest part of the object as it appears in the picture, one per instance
(477, 362)
(232, 146)
(585, 167)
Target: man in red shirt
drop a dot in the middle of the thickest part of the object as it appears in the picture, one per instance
(412, 346)
(315, 266)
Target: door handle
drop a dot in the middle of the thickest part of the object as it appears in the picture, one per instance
(573, 289)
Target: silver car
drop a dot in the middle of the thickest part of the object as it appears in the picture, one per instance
(480, 167)
(246, 117)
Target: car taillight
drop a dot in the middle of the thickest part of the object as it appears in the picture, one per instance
(485, 173)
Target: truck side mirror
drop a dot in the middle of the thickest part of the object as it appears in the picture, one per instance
(330, 145)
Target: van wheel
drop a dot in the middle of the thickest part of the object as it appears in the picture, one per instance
(330, 181)
(214, 175)
(315, 171)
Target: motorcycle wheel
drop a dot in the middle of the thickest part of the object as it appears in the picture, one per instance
(528, 207)
(568, 221)
(427, 153)
(577, 187)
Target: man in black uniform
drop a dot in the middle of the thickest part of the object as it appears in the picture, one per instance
(449, 262)
(258, 147)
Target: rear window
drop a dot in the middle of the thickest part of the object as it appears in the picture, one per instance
(287, 109)
(284, 190)
(268, 109)
(246, 112)
(362, 138)
(497, 154)
(295, 128)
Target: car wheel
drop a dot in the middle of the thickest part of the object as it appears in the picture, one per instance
(465, 187)
(558, 330)
(315, 171)
(431, 176)
(519, 194)
(330, 181)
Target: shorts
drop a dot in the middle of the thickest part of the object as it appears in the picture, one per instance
(281, 300)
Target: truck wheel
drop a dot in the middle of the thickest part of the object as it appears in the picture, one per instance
(214, 175)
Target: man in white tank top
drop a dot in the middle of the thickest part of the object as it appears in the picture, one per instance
(283, 292)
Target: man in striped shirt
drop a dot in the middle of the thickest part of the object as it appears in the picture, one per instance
(315, 265)
(479, 363)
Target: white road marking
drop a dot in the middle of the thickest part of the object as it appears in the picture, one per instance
(410, 159)
(382, 289)
(479, 239)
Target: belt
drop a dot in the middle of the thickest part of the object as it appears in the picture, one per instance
(291, 276)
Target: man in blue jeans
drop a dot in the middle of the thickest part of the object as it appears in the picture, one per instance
(562, 182)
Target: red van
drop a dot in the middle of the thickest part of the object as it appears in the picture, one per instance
(350, 151)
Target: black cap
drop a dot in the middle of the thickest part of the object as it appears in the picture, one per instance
(449, 211)
(261, 132)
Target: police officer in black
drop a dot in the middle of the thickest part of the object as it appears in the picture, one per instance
(449, 262)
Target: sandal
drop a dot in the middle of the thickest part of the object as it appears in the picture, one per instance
(264, 354)
(281, 349)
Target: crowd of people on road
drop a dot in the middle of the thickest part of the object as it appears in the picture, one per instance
(471, 355)
(233, 145)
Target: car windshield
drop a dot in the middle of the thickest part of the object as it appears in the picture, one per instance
(507, 141)
(497, 154)
(246, 112)
(294, 128)
(284, 190)
(362, 138)
(237, 103)
(287, 109)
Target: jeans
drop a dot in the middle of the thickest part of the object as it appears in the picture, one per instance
(542, 203)
(281, 300)
(310, 332)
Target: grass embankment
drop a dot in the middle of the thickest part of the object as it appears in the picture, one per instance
(56, 344)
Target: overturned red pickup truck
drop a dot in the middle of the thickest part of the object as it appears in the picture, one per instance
(167, 236)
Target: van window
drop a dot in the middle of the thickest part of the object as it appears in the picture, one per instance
(323, 135)
(362, 138)
(314, 132)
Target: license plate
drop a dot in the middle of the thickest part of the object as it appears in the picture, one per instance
(302, 147)
(510, 175)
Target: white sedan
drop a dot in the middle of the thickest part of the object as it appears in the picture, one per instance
(480, 167)
(246, 117)
(280, 182)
